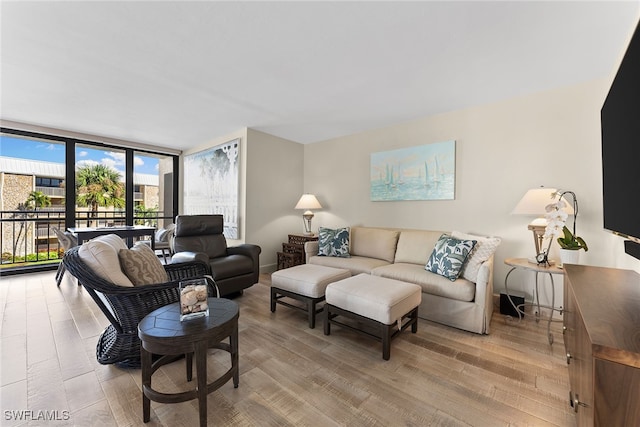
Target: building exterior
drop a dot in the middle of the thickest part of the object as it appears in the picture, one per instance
(26, 232)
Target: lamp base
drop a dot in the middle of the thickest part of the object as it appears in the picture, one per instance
(306, 219)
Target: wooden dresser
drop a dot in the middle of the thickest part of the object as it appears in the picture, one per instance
(602, 341)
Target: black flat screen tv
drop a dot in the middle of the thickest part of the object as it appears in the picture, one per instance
(620, 122)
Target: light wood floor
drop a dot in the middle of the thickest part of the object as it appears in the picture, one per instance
(289, 375)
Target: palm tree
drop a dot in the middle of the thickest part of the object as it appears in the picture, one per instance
(97, 186)
(37, 200)
(145, 215)
(22, 214)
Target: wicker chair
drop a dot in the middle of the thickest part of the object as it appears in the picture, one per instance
(67, 240)
(125, 306)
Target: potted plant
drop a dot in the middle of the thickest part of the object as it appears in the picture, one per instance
(571, 242)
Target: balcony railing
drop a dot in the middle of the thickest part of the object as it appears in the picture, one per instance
(27, 237)
(51, 191)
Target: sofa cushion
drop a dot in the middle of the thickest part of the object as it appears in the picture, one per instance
(415, 246)
(333, 242)
(376, 243)
(307, 279)
(381, 299)
(482, 251)
(355, 264)
(101, 255)
(141, 265)
(431, 283)
(448, 256)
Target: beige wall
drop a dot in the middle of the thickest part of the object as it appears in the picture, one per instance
(274, 185)
(502, 150)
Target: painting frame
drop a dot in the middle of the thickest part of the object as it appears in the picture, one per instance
(424, 172)
(211, 184)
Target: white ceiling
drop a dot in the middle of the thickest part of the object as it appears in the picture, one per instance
(179, 74)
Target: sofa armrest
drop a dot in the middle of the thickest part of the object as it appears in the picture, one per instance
(484, 290)
(310, 249)
(484, 280)
(187, 256)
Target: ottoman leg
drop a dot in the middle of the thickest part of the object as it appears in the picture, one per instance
(387, 331)
(273, 300)
(311, 312)
(327, 326)
(414, 320)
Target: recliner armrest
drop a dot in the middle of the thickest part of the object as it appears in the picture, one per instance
(187, 256)
(252, 251)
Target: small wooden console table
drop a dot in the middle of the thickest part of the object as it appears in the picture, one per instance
(162, 333)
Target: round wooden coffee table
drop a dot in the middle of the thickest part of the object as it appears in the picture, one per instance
(162, 333)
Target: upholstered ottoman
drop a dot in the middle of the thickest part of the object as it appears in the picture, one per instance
(305, 283)
(385, 306)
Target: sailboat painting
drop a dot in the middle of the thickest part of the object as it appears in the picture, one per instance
(425, 172)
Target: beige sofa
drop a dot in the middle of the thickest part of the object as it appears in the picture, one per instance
(402, 254)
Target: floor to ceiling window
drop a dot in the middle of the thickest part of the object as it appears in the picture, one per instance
(100, 186)
(49, 182)
(153, 189)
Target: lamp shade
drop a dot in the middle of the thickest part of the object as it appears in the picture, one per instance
(308, 201)
(534, 201)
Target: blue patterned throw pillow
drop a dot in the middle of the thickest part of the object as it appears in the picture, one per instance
(448, 256)
(333, 242)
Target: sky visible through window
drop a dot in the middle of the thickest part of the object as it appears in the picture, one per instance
(51, 152)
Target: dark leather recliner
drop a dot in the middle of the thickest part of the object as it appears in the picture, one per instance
(200, 238)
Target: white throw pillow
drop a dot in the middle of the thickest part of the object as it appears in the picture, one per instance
(101, 255)
(484, 248)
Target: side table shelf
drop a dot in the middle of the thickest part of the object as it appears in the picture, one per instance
(293, 252)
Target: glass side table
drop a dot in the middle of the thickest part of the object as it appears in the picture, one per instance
(524, 264)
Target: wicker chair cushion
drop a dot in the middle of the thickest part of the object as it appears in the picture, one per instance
(141, 265)
(101, 255)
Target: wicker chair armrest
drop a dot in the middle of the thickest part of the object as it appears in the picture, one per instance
(187, 270)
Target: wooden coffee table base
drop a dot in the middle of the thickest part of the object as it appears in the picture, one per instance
(162, 333)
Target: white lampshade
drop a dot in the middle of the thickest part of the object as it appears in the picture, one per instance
(533, 203)
(535, 200)
(307, 202)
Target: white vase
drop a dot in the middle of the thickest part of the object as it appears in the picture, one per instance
(568, 256)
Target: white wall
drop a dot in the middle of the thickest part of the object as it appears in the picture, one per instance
(502, 150)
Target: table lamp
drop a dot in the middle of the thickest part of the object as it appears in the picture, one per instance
(308, 202)
(533, 203)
